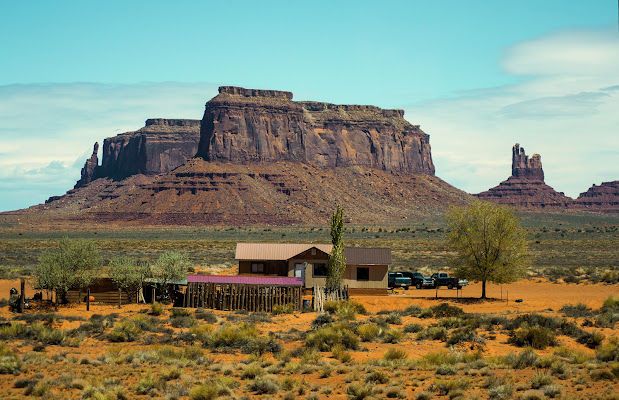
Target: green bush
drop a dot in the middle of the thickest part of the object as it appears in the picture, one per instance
(446, 369)
(591, 340)
(368, 332)
(357, 392)
(182, 321)
(394, 318)
(156, 309)
(433, 333)
(207, 316)
(203, 392)
(610, 304)
(413, 310)
(552, 391)
(392, 336)
(147, 385)
(279, 309)
(377, 377)
(536, 337)
(524, 359)
(413, 328)
(424, 395)
(10, 365)
(394, 354)
(608, 351)
(125, 331)
(463, 335)
(326, 337)
(504, 391)
(446, 310)
(579, 310)
(444, 387)
(264, 385)
(252, 371)
(541, 379)
(321, 320)
(533, 395)
(560, 369)
(179, 312)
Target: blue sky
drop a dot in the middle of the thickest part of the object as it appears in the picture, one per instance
(478, 76)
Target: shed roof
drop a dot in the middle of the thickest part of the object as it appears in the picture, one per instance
(246, 280)
(286, 251)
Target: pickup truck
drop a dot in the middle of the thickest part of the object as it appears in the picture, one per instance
(443, 279)
(418, 280)
(396, 279)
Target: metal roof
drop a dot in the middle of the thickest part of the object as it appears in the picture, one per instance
(286, 251)
(246, 280)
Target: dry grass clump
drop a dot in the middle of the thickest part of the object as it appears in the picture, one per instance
(368, 332)
(535, 337)
(279, 309)
(264, 385)
(126, 330)
(356, 391)
(394, 354)
(328, 336)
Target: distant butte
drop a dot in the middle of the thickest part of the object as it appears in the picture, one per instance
(525, 188)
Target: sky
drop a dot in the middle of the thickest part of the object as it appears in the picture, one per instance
(478, 76)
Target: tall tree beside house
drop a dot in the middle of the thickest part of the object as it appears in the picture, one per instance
(170, 266)
(489, 243)
(71, 266)
(337, 261)
(128, 274)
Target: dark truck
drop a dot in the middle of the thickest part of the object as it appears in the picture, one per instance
(396, 279)
(443, 279)
(418, 280)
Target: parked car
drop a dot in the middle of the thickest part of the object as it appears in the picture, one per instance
(418, 280)
(396, 279)
(443, 279)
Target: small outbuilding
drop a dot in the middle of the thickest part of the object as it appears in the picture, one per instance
(366, 268)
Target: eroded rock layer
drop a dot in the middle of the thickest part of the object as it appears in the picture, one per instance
(526, 187)
(604, 197)
(246, 125)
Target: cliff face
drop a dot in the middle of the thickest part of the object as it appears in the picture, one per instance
(158, 147)
(526, 187)
(604, 198)
(246, 125)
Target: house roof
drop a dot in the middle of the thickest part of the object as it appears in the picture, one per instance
(286, 251)
(245, 280)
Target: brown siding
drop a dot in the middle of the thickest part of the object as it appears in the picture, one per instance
(103, 290)
(277, 268)
(378, 277)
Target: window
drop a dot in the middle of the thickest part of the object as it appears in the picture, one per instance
(363, 274)
(320, 270)
(257, 268)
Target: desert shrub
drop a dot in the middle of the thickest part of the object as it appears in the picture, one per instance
(252, 371)
(394, 392)
(326, 337)
(15, 331)
(433, 333)
(47, 335)
(283, 309)
(413, 310)
(541, 379)
(322, 319)
(424, 395)
(554, 324)
(200, 333)
(503, 391)
(368, 332)
(536, 337)
(392, 336)
(233, 336)
(444, 387)
(203, 392)
(147, 385)
(579, 310)
(524, 359)
(413, 328)
(591, 340)
(207, 316)
(182, 321)
(446, 369)
(356, 391)
(394, 318)
(156, 309)
(533, 395)
(10, 365)
(610, 304)
(394, 354)
(463, 335)
(607, 319)
(264, 385)
(427, 313)
(552, 391)
(446, 310)
(377, 377)
(125, 331)
(340, 353)
(608, 351)
(601, 374)
(560, 369)
(179, 312)
(171, 373)
(24, 382)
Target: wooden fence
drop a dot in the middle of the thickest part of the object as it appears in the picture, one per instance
(322, 294)
(234, 296)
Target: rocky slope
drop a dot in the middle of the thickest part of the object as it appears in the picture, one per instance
(604, 198)
(159, 147)
(246, 125)
(525, 188)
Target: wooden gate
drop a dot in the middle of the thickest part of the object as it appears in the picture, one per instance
(322, 294)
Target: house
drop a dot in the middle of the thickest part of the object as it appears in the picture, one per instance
(366, 268)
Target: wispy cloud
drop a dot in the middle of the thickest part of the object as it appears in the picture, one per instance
(564, 107)
(48, 130)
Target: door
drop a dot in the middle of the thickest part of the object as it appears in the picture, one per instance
(299, 271)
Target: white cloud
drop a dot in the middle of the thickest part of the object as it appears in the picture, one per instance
(564, 108)
(47, 130)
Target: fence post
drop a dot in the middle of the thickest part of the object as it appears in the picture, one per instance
(119, 297)
(88, 299)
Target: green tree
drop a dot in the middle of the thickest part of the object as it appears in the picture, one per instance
(71, 266)
(337, 261)
(170, 266)
(489, 243)
(128, 275)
